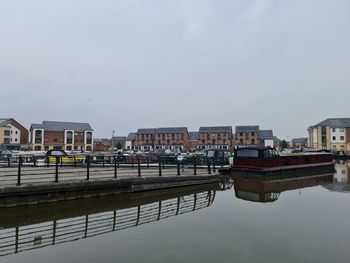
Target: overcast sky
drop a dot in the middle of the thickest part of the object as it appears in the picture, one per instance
(127, 64)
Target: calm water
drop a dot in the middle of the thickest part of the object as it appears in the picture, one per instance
(297, 221)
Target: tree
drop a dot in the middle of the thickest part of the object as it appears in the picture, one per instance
(284, 144)
(119, 145)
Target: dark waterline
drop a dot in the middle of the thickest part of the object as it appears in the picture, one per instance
(306, 222)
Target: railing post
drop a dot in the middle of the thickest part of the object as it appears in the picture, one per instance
(19, 170)
(194, 166)
(8, 161)
(47, 161)
(34, 160)
(56, 170)
(61, 157)
(87, 167)
(147, 161)
(214, 168)
(138, 166)
(178, 167)
(103, 162)
(75, 160)
(209, 168)
(115, 166)
(160, 166)
(132, 160)
(163, 162)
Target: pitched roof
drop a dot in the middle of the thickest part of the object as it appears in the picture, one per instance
(266, 134)
(335, 123)
(4, 122)
(147, 130)
(62, 126)
(172, 130)
(216, 129)
(193, 136)
(131, 136)
(119, 138)
(249, 128)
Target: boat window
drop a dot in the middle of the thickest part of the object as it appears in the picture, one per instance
(248, 153)
(210, 154)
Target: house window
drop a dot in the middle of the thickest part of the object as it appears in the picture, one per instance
(342, 138)
(342, 148)
(89, 138)
(15, 139)
(6, 133)
(88, 148)
(69, 138)
(38, 136)
(6, 140)
(341, 129)
(334, 138)
(333, 129)
(37, 148)
(16, 132)
(253, 141)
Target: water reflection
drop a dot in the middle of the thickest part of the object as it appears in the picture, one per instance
(265, 191)
(27, 228)
(341, 180)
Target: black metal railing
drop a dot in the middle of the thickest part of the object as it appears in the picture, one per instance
(44, 169)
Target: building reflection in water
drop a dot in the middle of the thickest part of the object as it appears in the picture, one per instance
(341, 180)
(30, 228)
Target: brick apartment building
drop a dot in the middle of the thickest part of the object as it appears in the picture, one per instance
(246, 135)
(174, 138)
(251, 135)
(170, 138)
(61, 135)
(144, 139)
(215, 137)
(12, 134)
(193, 140)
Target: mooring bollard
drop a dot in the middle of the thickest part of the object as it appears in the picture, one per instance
(178, 167)
(87, 167)
(56, 170)
(115, 167)
(19, 170)
(194, 166)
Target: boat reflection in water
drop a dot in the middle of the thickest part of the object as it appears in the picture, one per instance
(268, 190)
(27, 228)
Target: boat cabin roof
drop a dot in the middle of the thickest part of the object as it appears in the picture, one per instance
(257, 152)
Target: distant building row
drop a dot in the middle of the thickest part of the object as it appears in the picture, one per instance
(179, 138)
(331, 134)
(45, 136)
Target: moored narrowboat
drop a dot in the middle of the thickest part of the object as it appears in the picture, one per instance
(267, 159)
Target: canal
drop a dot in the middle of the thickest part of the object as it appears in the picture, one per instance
(298, 220)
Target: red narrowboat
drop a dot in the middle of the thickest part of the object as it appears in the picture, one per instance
(267, 159)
